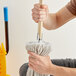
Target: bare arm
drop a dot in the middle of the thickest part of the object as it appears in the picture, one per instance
(51, 21)
(63, 71)
(43, 65)
(58, 19)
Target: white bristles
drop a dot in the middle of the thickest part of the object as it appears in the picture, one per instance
(41, 48)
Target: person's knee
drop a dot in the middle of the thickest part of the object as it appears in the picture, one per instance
(23, 69)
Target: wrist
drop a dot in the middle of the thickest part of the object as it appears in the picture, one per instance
(57, 70)
(50, 22)
(46, 22)
(53, 69)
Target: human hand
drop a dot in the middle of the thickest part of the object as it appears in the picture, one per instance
(40, 64)
(39, 13)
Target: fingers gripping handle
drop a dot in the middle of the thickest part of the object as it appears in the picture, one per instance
(40, 24)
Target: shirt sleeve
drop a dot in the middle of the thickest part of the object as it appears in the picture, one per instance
(71, 63)
(71, 6)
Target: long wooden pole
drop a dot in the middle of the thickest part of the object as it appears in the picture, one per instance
(40, 24)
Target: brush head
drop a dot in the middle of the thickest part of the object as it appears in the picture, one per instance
(41, 48)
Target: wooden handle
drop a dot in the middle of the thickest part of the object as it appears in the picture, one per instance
(40, 24)
(40, 1)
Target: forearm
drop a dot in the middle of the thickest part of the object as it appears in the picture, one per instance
(56, 20)
(51, 22)
(63, 71)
